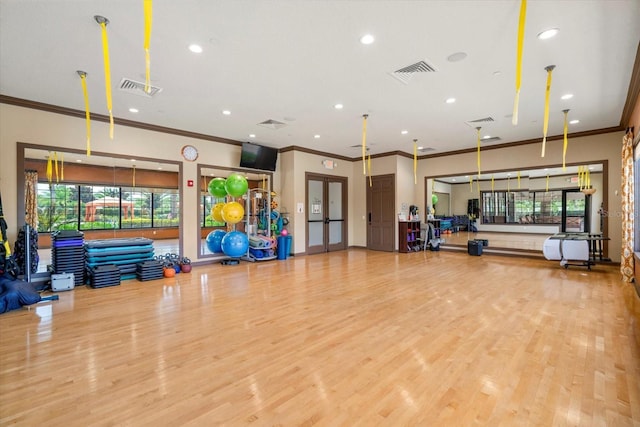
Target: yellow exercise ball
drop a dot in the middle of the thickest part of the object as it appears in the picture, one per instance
(216, 212)
(232, 212)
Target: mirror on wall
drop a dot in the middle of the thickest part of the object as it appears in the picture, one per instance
(214, 197)
(527, 200)
(102, 195)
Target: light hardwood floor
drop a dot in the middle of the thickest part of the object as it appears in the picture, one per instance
(352, 338)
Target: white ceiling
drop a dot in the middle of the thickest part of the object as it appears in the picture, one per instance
(292, 61)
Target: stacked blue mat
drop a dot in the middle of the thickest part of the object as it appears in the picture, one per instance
(67, 254)
(123, 253)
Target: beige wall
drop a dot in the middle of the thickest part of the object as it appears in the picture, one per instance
(59, 131)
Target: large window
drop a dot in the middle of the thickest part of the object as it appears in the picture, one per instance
(97, 207)
(522, 207)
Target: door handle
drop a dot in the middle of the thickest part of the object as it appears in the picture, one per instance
(369, 216)
(326, 220)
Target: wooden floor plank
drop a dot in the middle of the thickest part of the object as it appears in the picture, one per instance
(347, 338)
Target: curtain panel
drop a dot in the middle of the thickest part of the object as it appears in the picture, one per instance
(626, 261)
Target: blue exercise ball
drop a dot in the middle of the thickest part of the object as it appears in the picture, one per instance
(214, 240)
(235, 244)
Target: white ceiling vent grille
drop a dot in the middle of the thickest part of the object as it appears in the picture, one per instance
(405, 74)
(272, 124)
(478, 122)
(490, 140)
(137, 88)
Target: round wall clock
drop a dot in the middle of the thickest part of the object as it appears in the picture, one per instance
(190, 153)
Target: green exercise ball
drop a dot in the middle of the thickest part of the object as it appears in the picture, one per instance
(434, 199)
(236, 185)
(217, 187)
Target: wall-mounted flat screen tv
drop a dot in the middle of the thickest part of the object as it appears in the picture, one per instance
(255, 156)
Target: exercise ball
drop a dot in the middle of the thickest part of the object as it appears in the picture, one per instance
(214, 240)
(216, 212)
(232, 212)
(216, 187)
(169, 272)
(434, 199)
(235, 244)
(236, 185)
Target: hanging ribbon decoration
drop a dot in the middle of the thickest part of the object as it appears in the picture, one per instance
(49, 167)
(547, 190)
(478, 130)
(415, 161)
(147, 5)
(470, 184)
(55, 163)
(107, 69)
(523, 15)
(579, 177)
(369, 167)
(83, 81)
(61, 167)
(133, 183)
(545, 127)
(566, 141)
(518, 180)
(492, 184)
(588, 178)
(364, 143)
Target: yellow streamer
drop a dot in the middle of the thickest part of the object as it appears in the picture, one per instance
(415, 161)
(107, 70)
(518, 180)
(478, 130)
(547, 183)
(133, 184)
(55, 162)
(364, 143)
(83, 80)
(369, 166)
(588, 178)
(545, 127)
(147, 4)
(49, 168)
(61, 167)
(523, 15)
(470, 184)
(566, 141)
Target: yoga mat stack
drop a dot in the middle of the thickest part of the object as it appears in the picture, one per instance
(261, 248)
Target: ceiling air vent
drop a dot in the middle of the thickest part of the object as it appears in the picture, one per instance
(272, 124)
(137, 88)
(491, 140)
(405, 74)
(478, 122)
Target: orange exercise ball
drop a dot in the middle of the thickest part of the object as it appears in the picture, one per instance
(169, 272)
(232, 212)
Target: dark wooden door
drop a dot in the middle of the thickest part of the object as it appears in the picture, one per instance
(381, 216)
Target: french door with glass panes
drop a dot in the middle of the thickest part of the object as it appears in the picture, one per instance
(326, 204)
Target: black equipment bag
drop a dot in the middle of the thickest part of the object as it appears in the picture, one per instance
(7, 262)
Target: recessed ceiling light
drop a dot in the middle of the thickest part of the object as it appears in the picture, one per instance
(316, 136)
(453, 179)
(420, 148)
(195, 48)
(567, 96)
(574, 122)
(547, 34)
(450, 100)
(404, 132)
(133, 160)
(367, 39)
(486, 137)
(159, 168)
(133, 110)
(455, 57)
(252, 135)
(226, 112)
(79, 161)
(338, 106)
